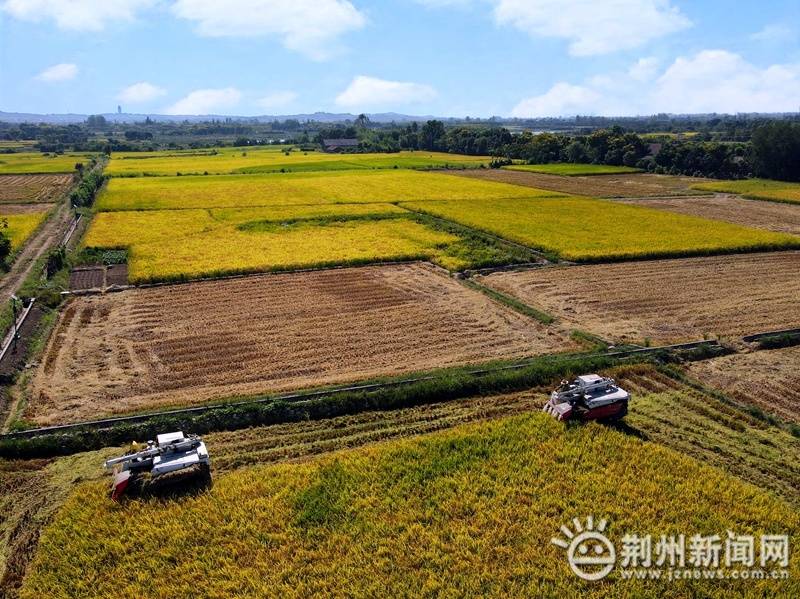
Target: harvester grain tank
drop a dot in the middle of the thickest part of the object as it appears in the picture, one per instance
(588, 397)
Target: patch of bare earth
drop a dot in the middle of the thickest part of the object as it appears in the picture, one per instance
(600, 186)
(32, 188)
(666, 300)
(769, 380)
(187, 344)
(772, 216)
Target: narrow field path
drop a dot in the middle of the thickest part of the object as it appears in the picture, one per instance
(48, 235)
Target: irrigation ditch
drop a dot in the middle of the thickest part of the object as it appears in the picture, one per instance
(385, 394)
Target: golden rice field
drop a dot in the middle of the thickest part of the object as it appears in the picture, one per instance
(757, 189)
(572, 170)
(241, 191)
(384, 521)
(21, 225)
(179, 244)
(270, 159)
(35, 162)
(585, 229)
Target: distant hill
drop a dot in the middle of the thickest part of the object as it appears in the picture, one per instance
(320, 117)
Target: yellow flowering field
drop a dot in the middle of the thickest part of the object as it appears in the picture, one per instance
(757, 189)
(182, 244)
(271, 159)
(463, 513)
(586, 229)
(239, 191)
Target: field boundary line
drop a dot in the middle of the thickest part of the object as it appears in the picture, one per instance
(765, 334)
(479, 232)
(297, 397)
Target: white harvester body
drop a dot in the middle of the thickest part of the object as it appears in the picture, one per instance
(171, 452)
(588, 397)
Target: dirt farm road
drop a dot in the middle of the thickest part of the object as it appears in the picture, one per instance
(48, 235)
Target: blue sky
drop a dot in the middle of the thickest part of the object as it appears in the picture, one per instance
(442, 57)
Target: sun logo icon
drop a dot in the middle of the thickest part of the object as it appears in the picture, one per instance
(589, 552)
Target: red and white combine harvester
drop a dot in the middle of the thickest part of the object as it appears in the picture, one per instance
(588, 397)
(172, 458)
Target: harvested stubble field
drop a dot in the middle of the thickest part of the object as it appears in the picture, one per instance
(23, 189)
(187, 344)
(772, 216)
(757, 189)
(270, 159)
(666, 300)
(242, 191)
(769, 380)
(34, 162)
(572, 170)
(166, 245)
(589, 230)
(501, 488)
(607, 186)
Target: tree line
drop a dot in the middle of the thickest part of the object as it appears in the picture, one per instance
(773, 152)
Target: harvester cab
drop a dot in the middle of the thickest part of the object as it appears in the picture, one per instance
(588, 397)
(175, 456)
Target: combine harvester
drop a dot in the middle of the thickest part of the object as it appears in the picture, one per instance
(588, 397)
(175, 454)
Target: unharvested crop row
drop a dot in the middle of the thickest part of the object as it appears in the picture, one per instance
(271, 159)
(299, 189)
(504, 486)
(590, 230)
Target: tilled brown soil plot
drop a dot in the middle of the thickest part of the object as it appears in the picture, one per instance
(600, 186)
(186, 344)
(772, 216)
(769, 380)
(666, 300)
(32, 188)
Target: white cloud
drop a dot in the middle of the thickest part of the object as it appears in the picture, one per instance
(140, 92)
(709, 81)
(561, 99)
(593, 26)
(59, 72)
(276, 100)
(721, 81)
(310, 27)
(775, 33)
(205, 101)
(644, 69)
(444, 3)
(369, 92)
(76, 15)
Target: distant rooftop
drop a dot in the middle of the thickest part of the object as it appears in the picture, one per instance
(345, 142)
